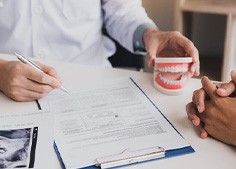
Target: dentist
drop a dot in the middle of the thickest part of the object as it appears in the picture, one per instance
(71, 31)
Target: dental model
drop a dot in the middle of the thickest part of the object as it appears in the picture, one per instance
(170, 74)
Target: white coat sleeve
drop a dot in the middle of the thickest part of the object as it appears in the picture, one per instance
(122, 18)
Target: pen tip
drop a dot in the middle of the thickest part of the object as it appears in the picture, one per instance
(64, 89)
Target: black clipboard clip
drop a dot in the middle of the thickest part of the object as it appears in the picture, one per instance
(129, 156)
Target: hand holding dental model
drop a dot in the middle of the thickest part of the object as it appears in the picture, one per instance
(176, 58)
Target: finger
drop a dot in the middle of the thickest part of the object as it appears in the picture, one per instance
(37, 87)
(233, 76)
(189, 47)
(24, 95)
(204, 133)
(199, 97)
(209, 87)
(49, 70)
(191, 51)
(41, 77)
(151, 60)
(195, 68)
(25, 92)
(27, 84)
(151, 54)
(226, 89)
(191, 113)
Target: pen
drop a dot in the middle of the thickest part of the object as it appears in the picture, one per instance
(35, 66)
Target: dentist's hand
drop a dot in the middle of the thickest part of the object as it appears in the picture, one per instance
(21, 82)
(170, 44)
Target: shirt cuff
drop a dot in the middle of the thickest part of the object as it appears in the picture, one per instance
(138, 42)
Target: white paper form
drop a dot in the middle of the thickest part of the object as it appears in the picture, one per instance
(107, 119)
(26, 140)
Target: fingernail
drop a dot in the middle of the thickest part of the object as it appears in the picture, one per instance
(199, 108)
(194, 123)
(222, 90)
(204, 78)
(233, 73)
(203, 134)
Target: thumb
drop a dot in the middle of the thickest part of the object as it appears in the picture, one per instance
(233, 76)
(209, 87)
(226, 89)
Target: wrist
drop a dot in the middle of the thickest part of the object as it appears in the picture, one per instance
(138, 41)
(149, 34)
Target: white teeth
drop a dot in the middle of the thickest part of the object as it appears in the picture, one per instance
(173, 82)
(173, 69)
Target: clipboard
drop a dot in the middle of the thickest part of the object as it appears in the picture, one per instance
(129, 156)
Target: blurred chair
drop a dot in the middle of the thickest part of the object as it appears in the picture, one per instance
(125, 59)
(184, 10)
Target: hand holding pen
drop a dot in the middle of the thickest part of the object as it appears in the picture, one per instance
(22, 82)
(35, 66)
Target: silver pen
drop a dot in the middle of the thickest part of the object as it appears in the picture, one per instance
(35, 66)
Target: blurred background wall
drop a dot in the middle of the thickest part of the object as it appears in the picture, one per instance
(162, 12)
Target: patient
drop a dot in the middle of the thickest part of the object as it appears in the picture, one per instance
(213, 110)
(14, 146)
